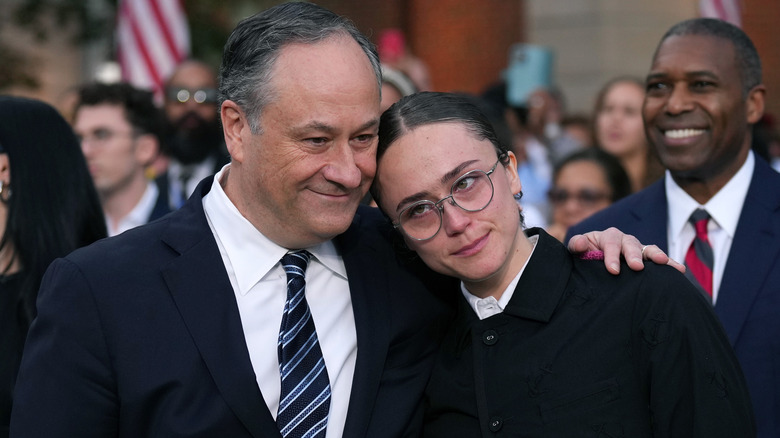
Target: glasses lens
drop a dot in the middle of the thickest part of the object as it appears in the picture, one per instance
(183, 95)
(421, 220)
(591, 197)
(473, 191)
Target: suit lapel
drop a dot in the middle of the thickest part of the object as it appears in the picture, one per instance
(201, 289)
(752, 255)
(368, 289)
(649, 213)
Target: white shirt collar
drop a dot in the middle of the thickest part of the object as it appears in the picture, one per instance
(725, 207)
(487, 307)
(139, 215)
(253, 255)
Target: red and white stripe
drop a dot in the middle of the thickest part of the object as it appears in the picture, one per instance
(152, 38)
(726, 10)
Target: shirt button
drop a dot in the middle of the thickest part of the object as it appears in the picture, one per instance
(495, 424)
(489, 337)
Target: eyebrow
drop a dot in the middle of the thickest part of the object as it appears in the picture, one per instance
(449, 176)
(688, 75)
(320, 126)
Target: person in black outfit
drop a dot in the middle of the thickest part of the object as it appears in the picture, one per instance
(48, 208)
(544, 343)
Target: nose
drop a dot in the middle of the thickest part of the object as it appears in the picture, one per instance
(342, 168)
(454, 219)
(86, 147)
(679, 100)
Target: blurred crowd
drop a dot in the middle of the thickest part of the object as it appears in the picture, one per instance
(118, 160)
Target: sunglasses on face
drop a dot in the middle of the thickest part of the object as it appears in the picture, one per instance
(183, 95)
(585, 197)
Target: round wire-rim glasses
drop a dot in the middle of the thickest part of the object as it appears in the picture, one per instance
(473, 191)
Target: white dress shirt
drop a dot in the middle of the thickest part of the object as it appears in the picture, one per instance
(724, 209)
(139, 215)
(487, 307)
(253, 265)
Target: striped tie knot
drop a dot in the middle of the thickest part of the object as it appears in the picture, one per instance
(699, 220)
(699, 258)
(305, 393)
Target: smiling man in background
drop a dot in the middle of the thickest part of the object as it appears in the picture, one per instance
(718, 207)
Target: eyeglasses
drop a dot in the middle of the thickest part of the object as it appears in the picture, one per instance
(472, 191)
(101, 136)
(585, 197)
(183, 95)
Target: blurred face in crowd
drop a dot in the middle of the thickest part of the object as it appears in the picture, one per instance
(182, 93)
(116, 155)
(429, 163)
(191, 113)
(696, 115)
(619, 126)
(580, 190)
(300, 179)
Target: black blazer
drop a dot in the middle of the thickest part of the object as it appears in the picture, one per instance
(579, 352)
(748, 302)
(139, 336)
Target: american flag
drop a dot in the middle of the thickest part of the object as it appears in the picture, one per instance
(152, 38)
(726, 10)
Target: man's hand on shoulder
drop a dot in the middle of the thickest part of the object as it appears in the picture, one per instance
(613, 242)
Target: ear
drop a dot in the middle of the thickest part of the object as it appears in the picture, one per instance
(5, 169)
(511, 173)
(236, 129)
(755, 103)
(146, 149)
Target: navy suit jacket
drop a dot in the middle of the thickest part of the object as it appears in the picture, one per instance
(748, 302)
(140, 335)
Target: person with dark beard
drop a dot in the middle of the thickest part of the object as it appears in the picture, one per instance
(194, 142)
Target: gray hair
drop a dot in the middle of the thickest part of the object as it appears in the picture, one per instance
(749, 63)
(254, 46)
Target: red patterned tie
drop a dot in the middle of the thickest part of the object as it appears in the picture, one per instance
(699, 258)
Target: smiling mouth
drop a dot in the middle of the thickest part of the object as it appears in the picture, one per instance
(683, 133)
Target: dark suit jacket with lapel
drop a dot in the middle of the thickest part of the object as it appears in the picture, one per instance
(140, 336)
(748, 301)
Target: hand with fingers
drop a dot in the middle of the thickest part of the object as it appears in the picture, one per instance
(613, 242)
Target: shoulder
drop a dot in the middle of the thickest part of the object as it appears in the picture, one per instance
(136, 247)
(618, 214)
(653, 284)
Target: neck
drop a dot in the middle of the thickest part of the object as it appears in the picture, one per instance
(703, 184)
(118, 204)
(8, 260)
(496, 284)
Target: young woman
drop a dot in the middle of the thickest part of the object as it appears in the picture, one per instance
(619, 129)
(544, 343)
(48, 208)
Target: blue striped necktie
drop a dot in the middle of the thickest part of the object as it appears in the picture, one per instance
(305, 397)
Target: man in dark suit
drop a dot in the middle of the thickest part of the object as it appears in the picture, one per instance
(194, 144)
(704, 93)
(190, 326)
(120, 130)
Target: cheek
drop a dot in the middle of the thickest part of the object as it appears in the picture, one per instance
(366, 162)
